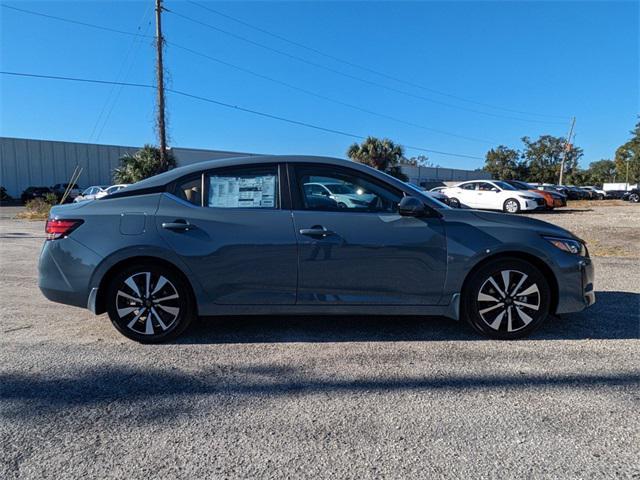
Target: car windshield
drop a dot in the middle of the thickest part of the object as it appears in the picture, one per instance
(342, 189)
(505, 186)
(519, 185)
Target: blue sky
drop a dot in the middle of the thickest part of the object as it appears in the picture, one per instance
(550, 60)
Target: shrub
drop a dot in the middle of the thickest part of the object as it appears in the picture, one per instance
(143, 164)
(4, 196)
(39, 208)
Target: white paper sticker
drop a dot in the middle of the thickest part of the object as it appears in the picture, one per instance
(242, 192)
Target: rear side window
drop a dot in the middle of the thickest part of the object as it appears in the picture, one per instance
(190, 190)
(253, 187)
(468, 186)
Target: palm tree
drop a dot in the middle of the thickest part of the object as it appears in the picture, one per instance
(382, 154)
(143, 164)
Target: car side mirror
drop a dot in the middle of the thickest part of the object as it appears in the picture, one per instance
(494, 189)
(412, 207)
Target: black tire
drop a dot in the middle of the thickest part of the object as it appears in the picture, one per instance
(511, 205)
(454, 202)
(155, 321)
(634, 197)
(600, 196)
(527, 312)
(342, 205)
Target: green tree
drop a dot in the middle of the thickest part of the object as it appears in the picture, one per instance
(628, 156)
(504, 164)
(143, 164)
(600, 172)
(543, 158)
(419, 161)
(382, 154)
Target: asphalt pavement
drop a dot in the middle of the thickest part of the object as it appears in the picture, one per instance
(303, 397)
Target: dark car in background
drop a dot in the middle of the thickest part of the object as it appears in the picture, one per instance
(243, 236)
(72, 191)
(31, 193)
(632, 196)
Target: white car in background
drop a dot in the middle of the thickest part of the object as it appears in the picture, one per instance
(345, 195)
(493, 195)
(90, 193)
(111, 189)
(598, 193)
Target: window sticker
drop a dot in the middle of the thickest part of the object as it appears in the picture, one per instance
(242, 192)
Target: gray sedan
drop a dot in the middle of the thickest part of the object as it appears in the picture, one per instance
(243, 236)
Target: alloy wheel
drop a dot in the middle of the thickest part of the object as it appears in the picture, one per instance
(147, 303)
(512, 206)
(508, 301)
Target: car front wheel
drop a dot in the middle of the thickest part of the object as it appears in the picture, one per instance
(634, 197)
(506, 299)
(511, 205)
(149, 303)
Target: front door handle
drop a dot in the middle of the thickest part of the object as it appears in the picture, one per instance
(178, 225)
(316, 231)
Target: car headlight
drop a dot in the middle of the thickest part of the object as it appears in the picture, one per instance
(568, 245)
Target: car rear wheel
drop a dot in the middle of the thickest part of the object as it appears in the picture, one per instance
(454, 202)
(149, 303)
(634, 197)
(506, 299)
(511, 205)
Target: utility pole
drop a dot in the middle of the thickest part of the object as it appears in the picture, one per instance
(627, 182)
(567, 148)
(160, 73)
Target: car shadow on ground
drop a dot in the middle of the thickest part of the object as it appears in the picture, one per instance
(616, 315)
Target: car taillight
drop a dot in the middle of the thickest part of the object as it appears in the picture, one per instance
(60, 228)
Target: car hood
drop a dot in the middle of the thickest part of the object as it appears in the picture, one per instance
(480, 218)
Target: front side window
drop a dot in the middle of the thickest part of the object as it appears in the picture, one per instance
(485, 187)
(326, 188)
(255, 187)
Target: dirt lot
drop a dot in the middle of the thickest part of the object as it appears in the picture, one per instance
(324, 397)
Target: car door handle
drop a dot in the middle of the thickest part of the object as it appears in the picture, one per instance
(316, 231)
(178, 225)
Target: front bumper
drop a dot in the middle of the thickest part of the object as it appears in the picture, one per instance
(576, 286)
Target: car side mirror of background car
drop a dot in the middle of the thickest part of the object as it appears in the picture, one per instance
(412, 207)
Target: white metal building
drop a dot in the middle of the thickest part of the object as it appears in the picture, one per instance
(43, 163)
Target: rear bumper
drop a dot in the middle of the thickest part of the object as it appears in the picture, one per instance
(64, 271)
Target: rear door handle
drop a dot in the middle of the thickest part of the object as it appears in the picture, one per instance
(316, 231)
(178, 225)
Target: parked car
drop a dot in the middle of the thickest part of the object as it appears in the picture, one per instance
(60, 188)
(493, 195)
(552, 199)
(616, 194)
(31, 193)
(632, 196)
(441, 197)
(596, 193)
(574, 193)
(111, 190)
(244, 236)
(345, 194)
(90, 193)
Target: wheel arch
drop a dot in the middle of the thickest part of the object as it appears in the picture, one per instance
(528, 257)
(100, 301)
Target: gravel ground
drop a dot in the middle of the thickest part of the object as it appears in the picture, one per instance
(322, 397)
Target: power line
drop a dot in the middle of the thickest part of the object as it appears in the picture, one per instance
(230, 106)
(353, 77)
(266, 77)
(123, 73)
(363, 67)
(326, 98)
(67, 20)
